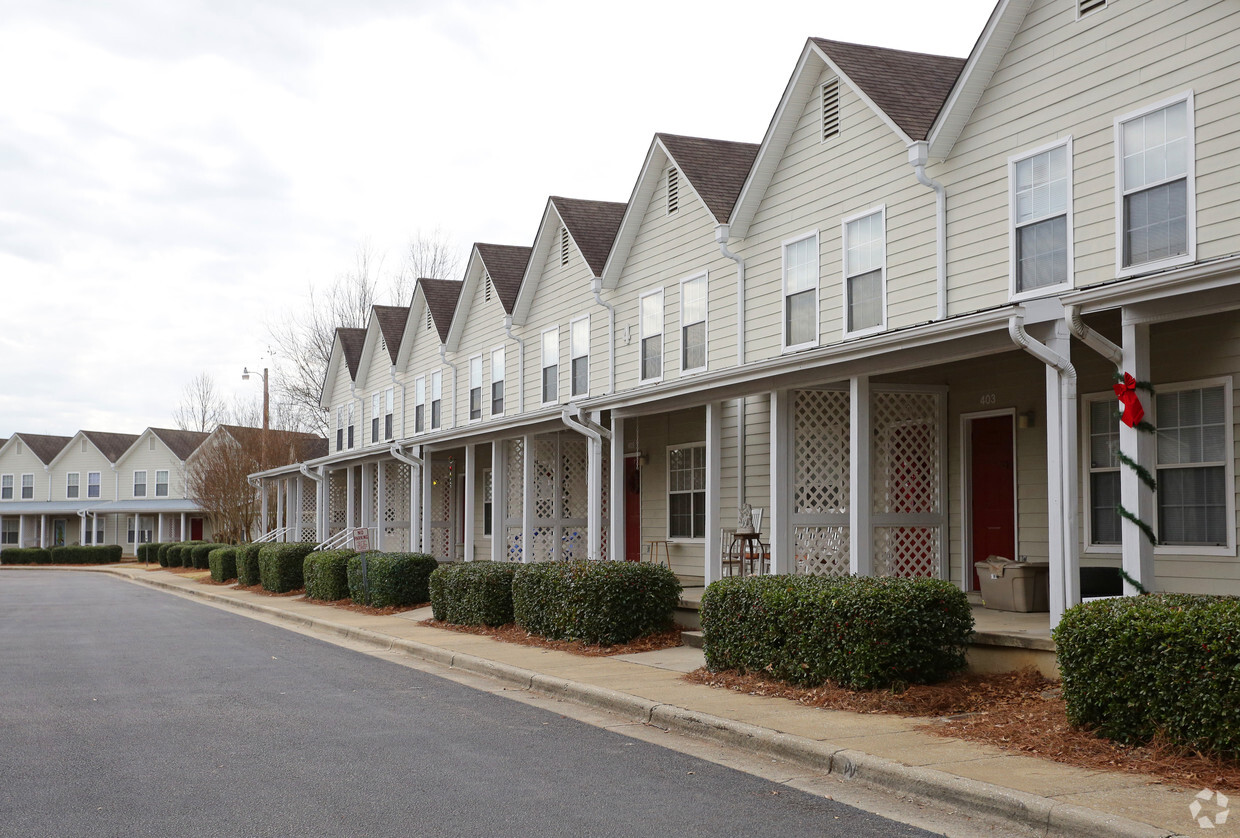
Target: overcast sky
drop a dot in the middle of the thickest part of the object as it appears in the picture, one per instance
(175, 174)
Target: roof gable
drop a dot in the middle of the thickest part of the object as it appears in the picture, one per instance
(392, 326)
(381, 344)
(113, 446)
(180, 443)
(441, 297)
(282, 447)
(506, 264)
(347, 348)
(43, 446)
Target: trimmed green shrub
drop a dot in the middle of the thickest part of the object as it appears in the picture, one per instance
(162, 553)
(201, 555)
(247, 565)
(179, 555)
(472, 593)
(280, 566)
(90, 554)
(858, 632)
(393, 579)
(1163, 663)
(327, 574)
(25, 555)
(594, 602)
(223, 563)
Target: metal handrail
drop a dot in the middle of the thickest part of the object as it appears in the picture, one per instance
(272, 535)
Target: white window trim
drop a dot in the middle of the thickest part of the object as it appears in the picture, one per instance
(99, 484)
(421, 379)
(12, 485)
(78, 475)
(482, 389)
(167, 482)
(1090, 547)
(542, 364)
(705, 321)
(430, 402)
(783, 292)
(503, 381)
(1190, 177)
(376, 417)
(1013, 294)
(881, 211)
(571, 357)
(667, 482)
(389, 409)
(145, 484)
(22, 488)
(641, 365)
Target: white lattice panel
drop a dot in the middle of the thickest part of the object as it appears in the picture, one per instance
(906, 551)
(373, 490)
(545, 459)
(542, 544)
(575, 544)
(440, 544)
(395, 515)
(821, 458)
(309, 508)
(821, 551)
(575, 476)
(442, 478)
(907, 466)
(337, 500)
(515, 468)
(514, 553)
(606, 489)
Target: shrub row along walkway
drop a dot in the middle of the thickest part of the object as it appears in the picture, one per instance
(890, 752)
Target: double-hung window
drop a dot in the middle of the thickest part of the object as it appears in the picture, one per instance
(73, 485)
(340, 428)
(376, 406)
(497, 382)
(686, 492)
(436, 399)
(27, 487)
(349, 435)
(6, 487)
(475, 388)
(8, 532)
(389, 411)
(487, 502)
(161, 483)
(1104, 521)
(800, 286)
(92, 484)
(579, 355)
(139, 484)
(1194, 445)
(551, 366)
(1041, 207)
(651, 308)
(419, 405)
(1155, 156)
(865, 269)
(693, 324)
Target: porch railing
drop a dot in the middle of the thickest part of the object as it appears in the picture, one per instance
(273, 535)
(348, 538)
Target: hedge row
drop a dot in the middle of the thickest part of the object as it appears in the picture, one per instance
(180, 555)
(280, 566)
(1160, 664)
(473, 593)
(247, 564)
(223, 563)
(26, 555)
(858, 632)
(85, 554)
(387, 580)
(327, 574)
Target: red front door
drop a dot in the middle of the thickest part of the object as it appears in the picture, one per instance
(195, 529)
(992, 489)
(632, 510)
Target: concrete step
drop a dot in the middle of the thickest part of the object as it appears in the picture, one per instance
(691, 638)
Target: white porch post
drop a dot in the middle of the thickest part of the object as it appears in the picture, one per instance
(184, 521)
(137, 533)
(427, 490)
(321, 499)
(1135, 496)
(714, 537)
(527, 500)
(594, 505)
(21, 530)
(350, 492)
(860, 505)
(470, 484)
(382, 505)
(368, 507)
(299, 488)
(264, 491)
(499, 499)
(159, 527)
(280, 489)
(1060, 459)
(782, 560)
(415, 505)
(617, 550)
(43, 531)
(81, 529)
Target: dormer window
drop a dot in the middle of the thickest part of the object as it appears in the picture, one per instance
(673, 190)
(830, 97)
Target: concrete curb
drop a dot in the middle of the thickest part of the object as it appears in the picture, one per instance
(988, 801)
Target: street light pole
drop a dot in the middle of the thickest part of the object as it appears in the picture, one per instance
(245, 376)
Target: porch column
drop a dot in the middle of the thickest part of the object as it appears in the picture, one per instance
(470, 486)
(1060, 470)
(616, 548)
(367, 504)
(427, 490)
(21, 530)
(294, 503)
(137, 533)
(280, 489)
(159, 527)
(184, 521)
(782, 560)
(499, 500)
(1135, 496)
(43, 531)
(350, 492)
(860, 504)
(714, 537)
(594, 505)
(527, 500)
(381, 506)
(415, 505)
(263, 492)
(321, 498)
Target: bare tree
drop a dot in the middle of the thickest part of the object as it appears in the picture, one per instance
(202, 406)
(431, 255)
(216, 480)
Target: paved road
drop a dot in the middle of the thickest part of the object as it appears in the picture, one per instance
(126, 711)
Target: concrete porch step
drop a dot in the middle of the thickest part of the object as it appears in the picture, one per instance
(692, 639)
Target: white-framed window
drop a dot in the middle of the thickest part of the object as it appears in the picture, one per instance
(352, 425)
(651, 326)
(693, 323)
(92, 484)
(340, 428)
(488, 507)
(27, 487)
(389, 412)
(436, 399)
(865, 272)
(73, 486)
(800, 287)
(139, 484)
(475, 388)
(1040, 201)
(1156, 201)
(579, 356)
(551, 365)
(1103, 470)
(497, 382)
(161, 483)
(419, 405)
(1196, 504)
(686, 491)
(376, 406)
(8, 531)
(6, 487)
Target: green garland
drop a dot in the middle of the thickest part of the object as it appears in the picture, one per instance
(1118, 378)
(1140, 588)
(1142, 473)
(1145, 528)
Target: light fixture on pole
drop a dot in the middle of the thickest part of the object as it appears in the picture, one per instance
(245, 376)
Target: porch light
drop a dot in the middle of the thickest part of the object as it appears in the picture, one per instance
(1025, 420)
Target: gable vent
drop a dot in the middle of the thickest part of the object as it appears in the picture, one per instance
(831, 107)
(83, 446)
(673, 190)
(1084, 7)
(382, 344)
(430, 324)
(486, 293)
(563, 245)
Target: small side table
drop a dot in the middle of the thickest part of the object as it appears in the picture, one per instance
(653, 547)
(746, 545)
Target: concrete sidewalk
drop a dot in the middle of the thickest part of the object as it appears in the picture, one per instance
(888, 752)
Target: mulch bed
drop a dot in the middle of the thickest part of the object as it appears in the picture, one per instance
(386, 611)
(511, 633)
(1017, 711)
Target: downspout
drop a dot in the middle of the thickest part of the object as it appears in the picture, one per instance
(722, 234)
(520, 362)
(1092, 338)
(403, 406)
(918, 155)
(597, 287)
(443, 359)
(398, 453)
(575, 418)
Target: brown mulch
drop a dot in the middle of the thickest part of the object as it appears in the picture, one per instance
(1017, 711)
(261, 591)
(511, 633)
(386, 611)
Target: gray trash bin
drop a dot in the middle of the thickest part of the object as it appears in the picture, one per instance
(1014, 586)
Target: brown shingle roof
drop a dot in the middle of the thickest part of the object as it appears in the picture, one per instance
(392, 326)
(441, 296)
(351, 342)
(716, 168)
(111, 445)
(180, 443)
(910, 87)
(593, 226)
(44, 447)
(506, 264)
(284, 447)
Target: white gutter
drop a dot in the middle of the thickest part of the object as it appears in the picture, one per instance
(520, 363)
(575, 418)
(443, 359)
(398, 453)
(918, 155)
(305, 470)
(1091, 338)
(403, 396)
(722, 232)
(597, 287)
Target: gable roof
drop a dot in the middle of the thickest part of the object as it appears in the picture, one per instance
(441, 297)
(181, 443)
(285, 447)
(43, 446)
(392, 326)
(111, 445)
(506, 264)
(351, 343)
(593, 226)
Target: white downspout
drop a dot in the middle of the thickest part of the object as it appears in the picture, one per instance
(597, 287)
(1091, 338)
(398, 453)
(443, 359)
(918, 155)
(722, 234)
(575, 419)
(520, 363)
(403, 406)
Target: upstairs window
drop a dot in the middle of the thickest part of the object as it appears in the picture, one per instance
(92, 484)
(72, 487)
(376, 408)
(1041, 199)
(1156, 186)
(6, 487)
(497, 382)
(389, 410)
(652, 335)
(161, 483)
(673, 190)
(475, 388)
(693, 324)
(419, 405)
(436, 399)
(139, 484)
(27, 487)
(865, 269)
(551, 366)
(579, 353)
(800, 286)
(340, 428)
(349, 434)
(829, 95)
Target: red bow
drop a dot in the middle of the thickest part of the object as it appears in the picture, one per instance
(1132, 412)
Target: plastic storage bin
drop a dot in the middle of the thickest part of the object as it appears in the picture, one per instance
(1014, 586)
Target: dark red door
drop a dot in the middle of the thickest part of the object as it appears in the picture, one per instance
(632, 510)
(993, 489)
(195, 529)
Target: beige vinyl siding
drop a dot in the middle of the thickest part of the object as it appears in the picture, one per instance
(24, 463)
(424, 360)
(483, 331)
(653, 435)
(141, 457)
(375, 377)
(757, 460)
(82, 462)
(482, 542)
